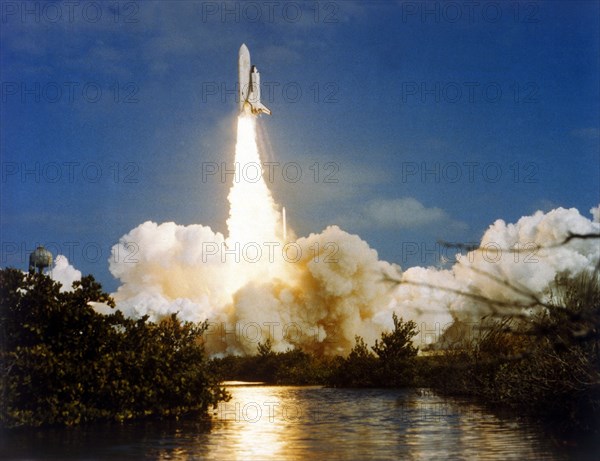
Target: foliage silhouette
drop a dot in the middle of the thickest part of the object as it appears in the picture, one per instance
(63, 363)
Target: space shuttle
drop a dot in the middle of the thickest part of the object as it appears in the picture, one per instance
(249, 85)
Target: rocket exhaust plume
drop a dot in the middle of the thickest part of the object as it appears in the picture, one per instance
(252, 211)
(317, 292)
(259, 282)
(254, 241)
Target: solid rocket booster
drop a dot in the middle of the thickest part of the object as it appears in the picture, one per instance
(284, 225)
(249, 85)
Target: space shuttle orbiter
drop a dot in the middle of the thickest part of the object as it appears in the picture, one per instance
(249, 85)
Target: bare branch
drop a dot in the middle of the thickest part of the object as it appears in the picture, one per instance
(567, 239)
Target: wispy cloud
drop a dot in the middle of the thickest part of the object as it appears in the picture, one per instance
(400, 213)
(586, 133)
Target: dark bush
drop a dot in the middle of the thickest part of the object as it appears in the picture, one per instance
(545, 364)
(63, 363)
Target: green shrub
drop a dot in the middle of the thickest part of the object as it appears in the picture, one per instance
(392, 366)
(357, 369)
(63, 363)
(293, 366)
(547, 364)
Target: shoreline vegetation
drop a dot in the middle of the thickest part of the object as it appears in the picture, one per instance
(64, 364)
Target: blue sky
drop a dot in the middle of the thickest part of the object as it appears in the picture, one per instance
(435, 118)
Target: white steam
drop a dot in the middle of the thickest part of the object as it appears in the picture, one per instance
(596, 213)
(64, 273)
(514, 264)
(319, 291)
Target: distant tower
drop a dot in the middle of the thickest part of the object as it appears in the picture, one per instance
(40, 259)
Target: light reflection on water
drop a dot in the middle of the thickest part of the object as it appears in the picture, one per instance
(293, 423)
(316, 423)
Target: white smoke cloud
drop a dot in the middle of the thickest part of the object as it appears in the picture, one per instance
(513, 263)
(328, 288)
(591, 133)
(331, 286)
(163, 270)
(332, 292)
(596, 213)
(401, 213)
(319, 291)
(64, 273)
(406, 213)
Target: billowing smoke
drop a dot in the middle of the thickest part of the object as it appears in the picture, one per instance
(518, 260)
(319, 291)
(64, 273)
(514, 265)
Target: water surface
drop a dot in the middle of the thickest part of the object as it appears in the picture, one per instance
(303, 423)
